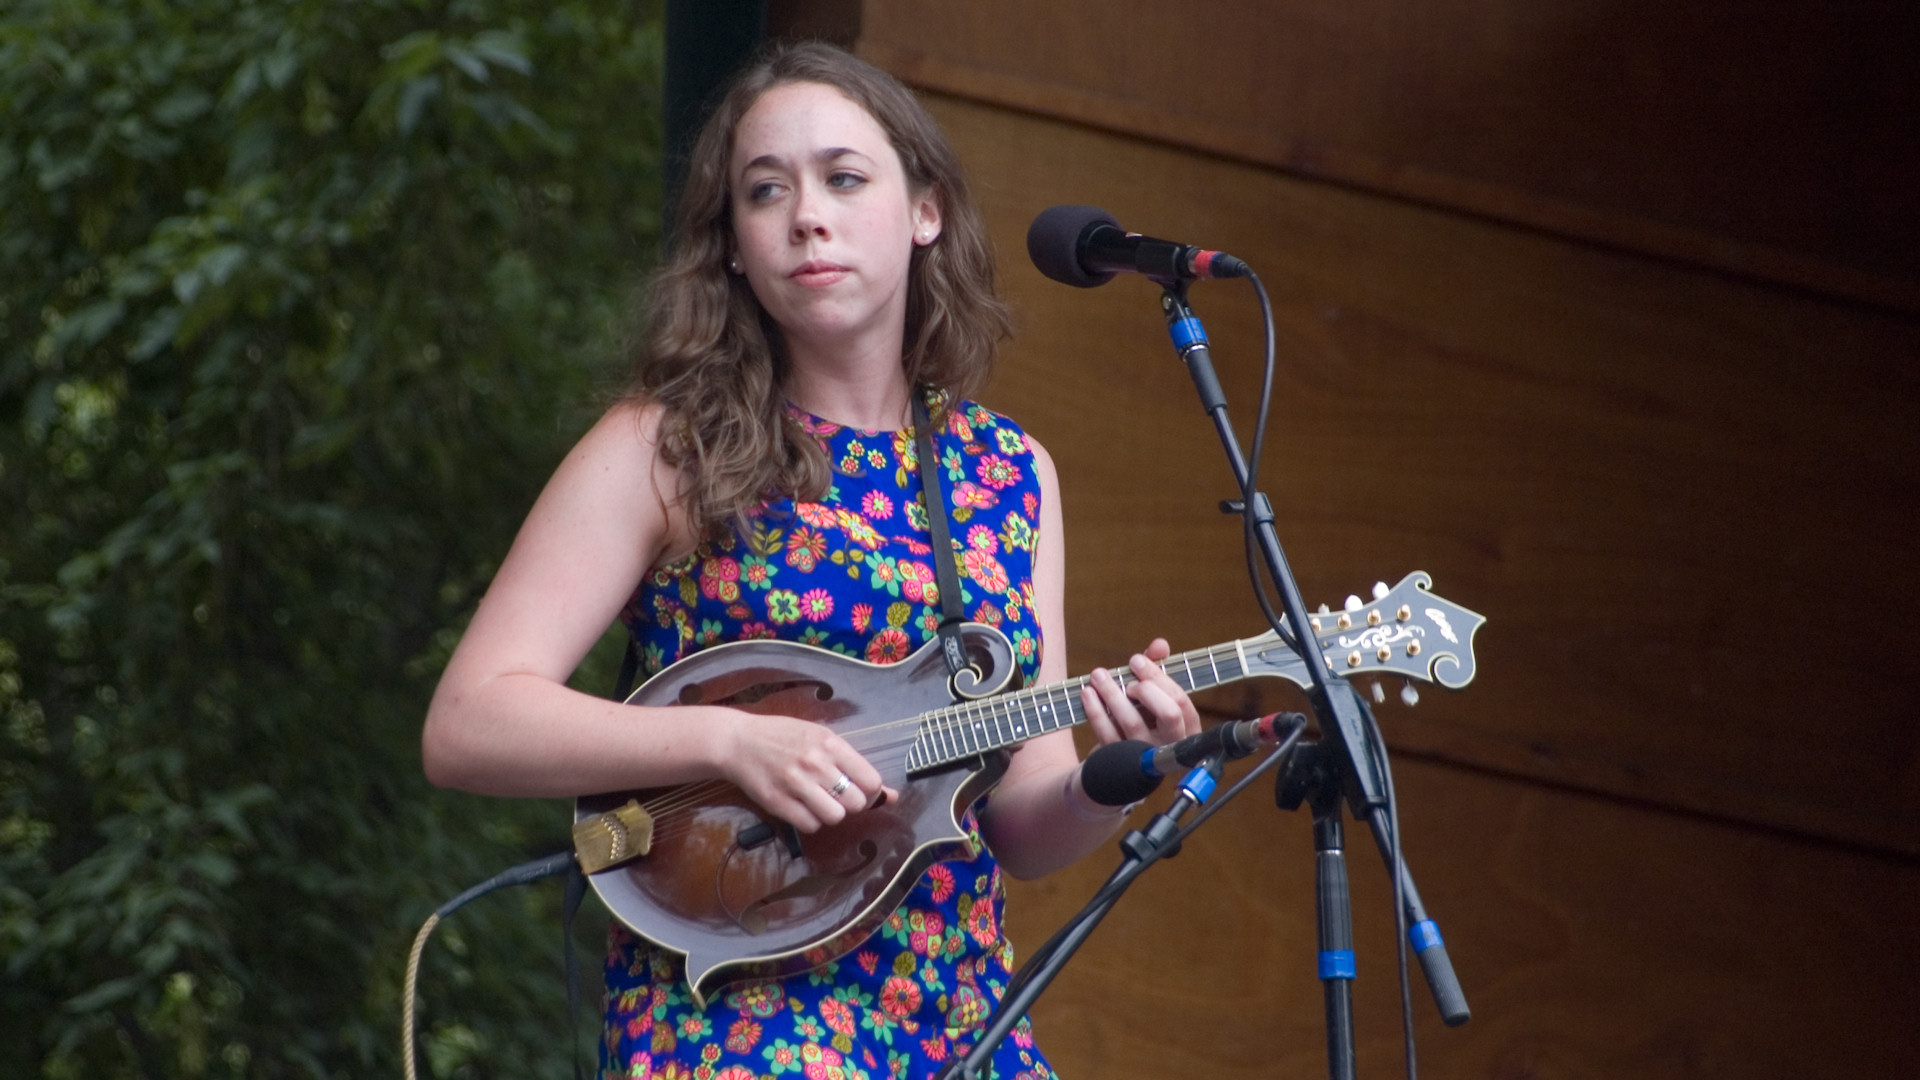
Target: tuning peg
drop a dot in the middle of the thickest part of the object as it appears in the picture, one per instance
(1354, 604)
(1408, 695)
(1380, 590)
(1379, 693)
(1325, 610)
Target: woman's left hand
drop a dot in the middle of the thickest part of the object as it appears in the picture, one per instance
(1153, 708)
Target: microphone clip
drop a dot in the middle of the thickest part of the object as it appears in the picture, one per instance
(1160, 839)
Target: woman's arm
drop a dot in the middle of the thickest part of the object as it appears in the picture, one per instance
(1038, 819)
(504, 722)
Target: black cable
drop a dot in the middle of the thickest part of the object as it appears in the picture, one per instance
(1111, 890)
(1399, 889)
(1248, 540)
(1307, 646)
(525, 873)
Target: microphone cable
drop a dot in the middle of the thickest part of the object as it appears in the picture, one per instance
(1112, 889)
(1248, 541)
(524, 874)
(1308, 646)
(1399, 888)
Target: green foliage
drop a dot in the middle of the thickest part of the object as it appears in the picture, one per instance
(300, 301)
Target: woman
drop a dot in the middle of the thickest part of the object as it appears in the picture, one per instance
(829, 265)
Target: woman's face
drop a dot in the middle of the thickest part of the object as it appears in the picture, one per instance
(824, 222)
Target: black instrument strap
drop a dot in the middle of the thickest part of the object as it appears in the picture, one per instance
(629, 667)
(577, 882)
(569, 907)
(931, 497)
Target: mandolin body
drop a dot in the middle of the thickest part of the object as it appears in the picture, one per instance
(740, 895)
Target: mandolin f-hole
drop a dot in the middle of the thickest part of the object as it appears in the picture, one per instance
(753, 917)
(696, 693)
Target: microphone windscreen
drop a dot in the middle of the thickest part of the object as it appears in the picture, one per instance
(1053, 243)
(1112, 776)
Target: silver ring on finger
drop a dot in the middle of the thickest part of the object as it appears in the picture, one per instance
(840, 786)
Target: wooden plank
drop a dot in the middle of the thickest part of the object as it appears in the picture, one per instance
(1592, 940)
(1683, 500)
(1779, 144)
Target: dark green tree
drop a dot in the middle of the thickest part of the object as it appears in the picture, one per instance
(300, 301)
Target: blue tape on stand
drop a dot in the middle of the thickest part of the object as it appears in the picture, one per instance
(1424, 935)
(1337, 964)
(1200, 784)
(1187, 333)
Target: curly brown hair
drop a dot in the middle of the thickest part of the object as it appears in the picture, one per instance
(713, 359)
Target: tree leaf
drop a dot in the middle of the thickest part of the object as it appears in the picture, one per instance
(107, 993)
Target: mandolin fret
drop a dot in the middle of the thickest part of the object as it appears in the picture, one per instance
(964, 727)
(967, 730)
(974, 730)
(996, 732)
(948, 738)
(1007, 722)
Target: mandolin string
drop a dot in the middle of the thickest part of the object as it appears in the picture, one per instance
(949, 721)
(669, 810)
(666, 810)
(682, 796)
(673, 801)
(952, 720)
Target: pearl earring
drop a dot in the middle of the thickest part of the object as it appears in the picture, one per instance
(733, 264)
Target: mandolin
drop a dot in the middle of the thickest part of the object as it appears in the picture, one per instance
(702, 871)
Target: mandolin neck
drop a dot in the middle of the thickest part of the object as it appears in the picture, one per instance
(967, 730)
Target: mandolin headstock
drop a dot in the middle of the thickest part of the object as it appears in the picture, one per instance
(1405, 631)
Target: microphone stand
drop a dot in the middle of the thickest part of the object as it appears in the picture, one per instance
(1310, 776)
(1143, 847)
(1346, 755)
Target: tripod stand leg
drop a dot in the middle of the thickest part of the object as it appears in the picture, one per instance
(1424, 935)
(1336, 936)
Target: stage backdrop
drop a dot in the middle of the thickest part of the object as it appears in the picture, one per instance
(1605, 316)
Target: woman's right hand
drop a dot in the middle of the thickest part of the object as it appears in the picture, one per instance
(504, 721)
(791, 768)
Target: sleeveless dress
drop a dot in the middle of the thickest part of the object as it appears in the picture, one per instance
(852, 573)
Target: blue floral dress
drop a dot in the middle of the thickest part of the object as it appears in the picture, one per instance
(852, 573)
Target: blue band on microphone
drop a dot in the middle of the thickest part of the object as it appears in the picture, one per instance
(1424, 935)
(1337, 964)
(1187, 333)
(1147, 765)
(1199, 783)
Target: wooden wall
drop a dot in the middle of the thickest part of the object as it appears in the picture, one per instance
(1774, 140)
(1607, 316)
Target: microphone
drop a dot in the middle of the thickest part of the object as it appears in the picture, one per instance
(1111, 775)
(1085, 246)
(1230, 741)
(1123, 773)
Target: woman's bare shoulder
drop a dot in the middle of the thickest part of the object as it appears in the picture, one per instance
(619, 465)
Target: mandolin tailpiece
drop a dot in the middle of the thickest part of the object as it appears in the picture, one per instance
(609, 839)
